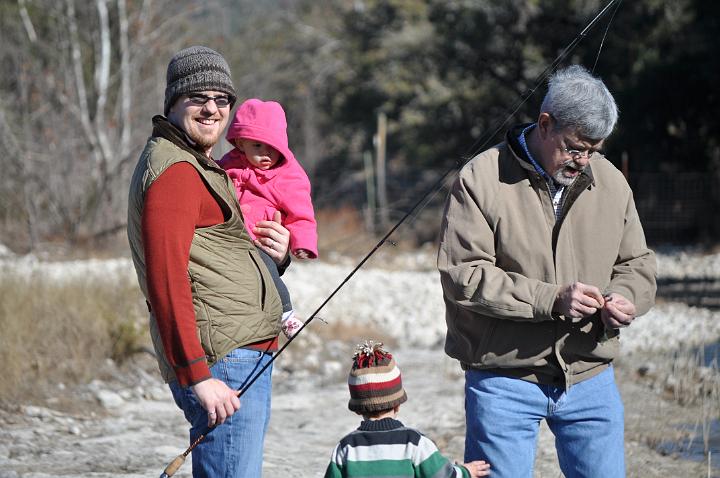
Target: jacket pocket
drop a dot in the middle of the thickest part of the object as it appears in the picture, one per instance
(608, 344)
(203, 319)
(486, 339)
(262, 290)
(513, 344)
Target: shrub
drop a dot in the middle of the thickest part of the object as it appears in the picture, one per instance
(55, 332)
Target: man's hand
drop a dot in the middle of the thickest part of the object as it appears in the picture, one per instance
(617, 312)
(217, 398)
(578, 300)
(273, 238)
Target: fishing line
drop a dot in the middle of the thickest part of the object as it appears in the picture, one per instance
(602, 42)
(483, 140)
(474, 148)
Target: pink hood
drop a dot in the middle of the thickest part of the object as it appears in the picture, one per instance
(262, 121)
(284, 187)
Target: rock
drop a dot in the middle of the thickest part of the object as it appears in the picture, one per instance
(331, 368)
(167, 450)
(647, 370)
(707, 374)
(457, 442)
(312, 362)
(336, 348)
(126, 394)
(109, 399)
(37, 412)
(64, 422)
(303, 375)
(157, 393)
(95, 386)
(5, 253)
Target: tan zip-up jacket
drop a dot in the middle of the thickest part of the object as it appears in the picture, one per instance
(503, 259)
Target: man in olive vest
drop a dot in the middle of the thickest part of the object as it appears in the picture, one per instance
(214, 311)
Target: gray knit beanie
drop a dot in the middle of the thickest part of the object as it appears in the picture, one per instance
(197, 68)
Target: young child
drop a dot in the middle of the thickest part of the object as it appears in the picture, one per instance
(268, 178)
(383, 446)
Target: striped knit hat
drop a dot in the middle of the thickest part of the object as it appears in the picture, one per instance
(375, 382)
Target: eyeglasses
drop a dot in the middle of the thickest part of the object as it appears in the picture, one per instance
(200, 99)
(577, 153)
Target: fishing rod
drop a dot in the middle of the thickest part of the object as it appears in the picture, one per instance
(175, 464)
(540, 79)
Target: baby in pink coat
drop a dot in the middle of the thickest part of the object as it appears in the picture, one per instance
(268, 178)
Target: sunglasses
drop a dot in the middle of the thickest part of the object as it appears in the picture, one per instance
(200, 99)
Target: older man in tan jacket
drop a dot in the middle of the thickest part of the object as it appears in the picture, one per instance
(543, 260)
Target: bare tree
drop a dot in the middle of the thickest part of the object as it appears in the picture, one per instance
(290, 62)
(79, 110)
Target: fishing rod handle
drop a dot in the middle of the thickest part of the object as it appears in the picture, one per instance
(173, 466)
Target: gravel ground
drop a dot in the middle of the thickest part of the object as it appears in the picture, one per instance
(129, 426)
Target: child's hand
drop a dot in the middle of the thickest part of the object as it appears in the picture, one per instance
(302, 254)
(477, 468)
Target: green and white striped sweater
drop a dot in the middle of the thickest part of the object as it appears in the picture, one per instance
(388, 449)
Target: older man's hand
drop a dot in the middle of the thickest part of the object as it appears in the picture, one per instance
(617, 312)
(578, 300)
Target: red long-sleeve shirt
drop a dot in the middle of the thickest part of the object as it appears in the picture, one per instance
(175, 204)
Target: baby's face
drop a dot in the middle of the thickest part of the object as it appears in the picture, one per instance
(260, 155)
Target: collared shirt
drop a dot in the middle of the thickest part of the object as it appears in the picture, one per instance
(556, 190)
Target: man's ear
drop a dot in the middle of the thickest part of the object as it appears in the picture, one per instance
(544, 125)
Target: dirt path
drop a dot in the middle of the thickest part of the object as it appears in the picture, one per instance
(138, 430)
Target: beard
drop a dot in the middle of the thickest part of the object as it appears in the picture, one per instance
(560, 176)
(204, 140)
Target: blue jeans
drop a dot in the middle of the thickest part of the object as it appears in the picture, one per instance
(503, 414)
(235, 448)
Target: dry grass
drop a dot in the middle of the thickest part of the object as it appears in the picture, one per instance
(62, 332)
(344, 232)
(352, 334)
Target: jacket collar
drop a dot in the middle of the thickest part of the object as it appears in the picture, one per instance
(384, 424)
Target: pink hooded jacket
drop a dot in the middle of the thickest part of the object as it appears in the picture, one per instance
(284, 188)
